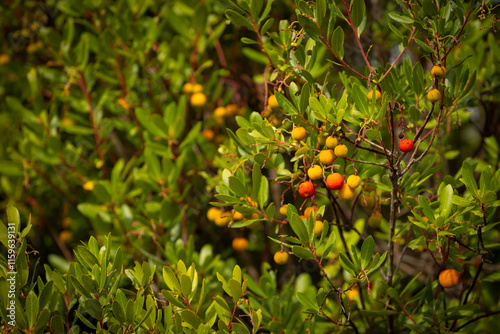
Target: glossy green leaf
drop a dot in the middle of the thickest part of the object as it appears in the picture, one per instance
(338, 42)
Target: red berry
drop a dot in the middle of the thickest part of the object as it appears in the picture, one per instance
(335, 181)
(306, 189)
(406, 145)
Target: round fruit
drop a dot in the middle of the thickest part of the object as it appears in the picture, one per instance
(4, 59)
(309, 210)
(335, 181)
(306, 189)
(378, 95)
(375, 219)
(321, 139)
(198, 99)
(449, 278)
(208, 134)
(272, 102)
(213, 213)
(89, 185)
(281, 258)
(187, 88)
(275, 121)
(346, 193)
(341, 151)
(240, 244)
(238, 215)
(332, 142)
(318, 227)
(434, 95)
(351, 294)
(326, 157)
(438, 72)
(367, 187)
(197, 88)
(315, 172)
(283, 209)
(223, 219)
(252, 203)
(406, 145)
(299, 133)
(367, 201)
(231, 109)
(353, 181)
(66, 236)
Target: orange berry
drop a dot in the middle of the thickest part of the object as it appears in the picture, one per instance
(306, 189)
(315, 172)
(346, 193)
(223, 219)
(299, 133)
(335, 181)
(208, 134)
(434, 95)
(89, 185)
(237, 215)
(213, 213)
(449, 278)
(309, 210)
(351, 294)
(326, 157)
(341, 151)
(240, 244)
(406, 145)
(281, 258)
(66, 236)
(353, 181)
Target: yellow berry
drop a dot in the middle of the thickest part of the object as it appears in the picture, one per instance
(89, 185)
(299, 133)
(283, 209)
(346, 193)
(434, 95)
(197, 88)
(231, 109)
(378, 95)
(223, 219)
(341, 151)
(351, 294)
(315, 172)
(310, 210)
(318, 227)
(187, 88)
(332, 142)
(326, 157)
(237, 215)
(213, 213)
(438, 72)
(281, 258)
(353, 181)
(198, 99)
(272, 102)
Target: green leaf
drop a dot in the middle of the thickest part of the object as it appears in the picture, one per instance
(237, 187)
(367, 251)
(468, 178)
(401, 18)
(320, 11)
(186, 286)
(347, 264)
(285, 104)
(237, 19)
(118, 311)
(299, 227)
(445, 194)
(304, 98)
(264, 192)
(13, 217)
(31, 308)
(78, 287)
(338, 42)
(191, 318)
(256, 7)
(418, 78)
(171, 279)
(89, 259)
(302, 252)
(424, 204)
(373, 135)
(310, 27)
(359, 99)
(358, 10)
(235, 288)
(429, 7)
(171, 299)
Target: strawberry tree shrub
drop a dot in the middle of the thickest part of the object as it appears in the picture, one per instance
(388, 123)
(121, 119)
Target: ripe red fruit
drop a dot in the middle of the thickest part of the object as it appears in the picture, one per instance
(306, 189)
(406, 145)
(335, 181)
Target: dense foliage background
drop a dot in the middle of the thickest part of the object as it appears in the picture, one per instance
(123, 123)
